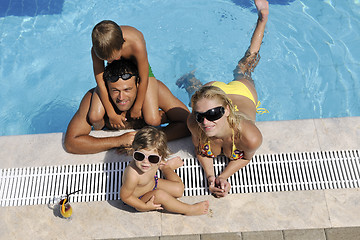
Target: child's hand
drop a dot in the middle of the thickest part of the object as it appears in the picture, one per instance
(135, 113)
(152, 206)
(162, 164)
(117, 121)
(173, 163)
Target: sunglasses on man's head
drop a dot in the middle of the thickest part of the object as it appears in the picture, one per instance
(153, 158)
(212, 114)
(124, 76)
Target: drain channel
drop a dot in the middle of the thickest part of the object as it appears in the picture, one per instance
(102, 181)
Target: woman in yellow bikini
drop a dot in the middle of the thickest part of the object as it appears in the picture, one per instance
(223, 115)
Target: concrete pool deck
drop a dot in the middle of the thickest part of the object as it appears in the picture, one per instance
(274, 215)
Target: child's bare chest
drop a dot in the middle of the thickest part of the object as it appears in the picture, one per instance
(146, 180)
(146, 184)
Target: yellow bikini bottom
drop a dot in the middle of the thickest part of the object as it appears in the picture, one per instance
(239, 88)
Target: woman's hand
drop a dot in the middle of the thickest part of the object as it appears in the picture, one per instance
(224, 185)
(218, 186)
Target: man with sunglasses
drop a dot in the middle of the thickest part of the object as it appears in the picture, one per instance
(122, 82)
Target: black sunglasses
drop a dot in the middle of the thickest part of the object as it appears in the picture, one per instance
(124, 76)
(139, 156)
(212, 114)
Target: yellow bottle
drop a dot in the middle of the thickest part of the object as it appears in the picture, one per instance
(65, 208)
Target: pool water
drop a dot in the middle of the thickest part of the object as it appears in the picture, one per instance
(309, 65)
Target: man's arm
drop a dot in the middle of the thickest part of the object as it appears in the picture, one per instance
(176, 113)
(78, 140)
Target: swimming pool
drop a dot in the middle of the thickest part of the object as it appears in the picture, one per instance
(309, 66)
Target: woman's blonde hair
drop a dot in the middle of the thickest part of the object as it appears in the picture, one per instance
(212, 92)
(150, 138)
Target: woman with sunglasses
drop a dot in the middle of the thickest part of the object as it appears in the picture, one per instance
(142, 189)
(223, 115)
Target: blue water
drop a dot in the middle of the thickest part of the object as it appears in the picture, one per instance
(309, 66)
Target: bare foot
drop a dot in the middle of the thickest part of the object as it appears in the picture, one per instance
(182, 82)
(200, 208)
(189, 82)
(173, 163)
(263, 9)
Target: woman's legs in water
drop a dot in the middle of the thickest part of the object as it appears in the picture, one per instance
(190, 83)
(251, 58)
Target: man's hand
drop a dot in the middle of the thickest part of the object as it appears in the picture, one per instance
(129, 138)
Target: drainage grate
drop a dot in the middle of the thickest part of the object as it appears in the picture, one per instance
(265, 173)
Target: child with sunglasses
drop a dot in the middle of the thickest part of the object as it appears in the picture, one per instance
(112, 42)
(223, 115)
(142, 189)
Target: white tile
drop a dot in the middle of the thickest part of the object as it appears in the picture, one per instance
(338, 133)
(96, 220)
(288, 136)
(344, 207)
(176, 224)
(278, 211)
(254, 212)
